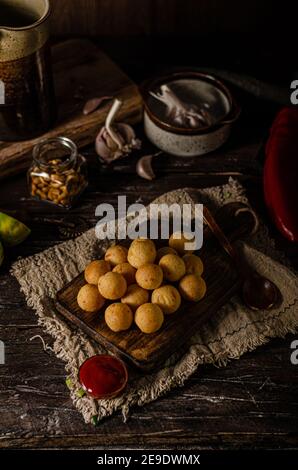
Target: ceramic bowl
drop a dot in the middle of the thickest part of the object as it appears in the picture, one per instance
(197, 89)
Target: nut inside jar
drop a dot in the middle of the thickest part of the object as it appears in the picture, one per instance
(58, 173)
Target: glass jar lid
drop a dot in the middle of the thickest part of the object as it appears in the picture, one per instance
(59, 153)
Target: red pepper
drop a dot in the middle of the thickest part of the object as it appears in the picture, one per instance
(281, 173)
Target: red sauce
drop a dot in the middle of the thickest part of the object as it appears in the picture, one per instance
(103, 376)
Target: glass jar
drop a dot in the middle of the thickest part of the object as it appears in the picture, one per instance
(58, 173)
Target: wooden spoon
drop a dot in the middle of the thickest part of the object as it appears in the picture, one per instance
(259, 293)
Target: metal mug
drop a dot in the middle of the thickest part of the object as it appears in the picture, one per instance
(27, 101)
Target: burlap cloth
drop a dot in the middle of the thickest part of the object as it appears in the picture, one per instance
(231, 332)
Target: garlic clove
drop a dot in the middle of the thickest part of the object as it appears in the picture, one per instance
(130, 140)
(127, 131)
(144, 167)
(111, 143)
(102, 148)
(93, 104)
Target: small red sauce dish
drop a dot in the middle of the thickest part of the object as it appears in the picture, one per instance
(103, 376)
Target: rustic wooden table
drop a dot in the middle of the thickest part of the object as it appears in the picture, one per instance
(250, 403)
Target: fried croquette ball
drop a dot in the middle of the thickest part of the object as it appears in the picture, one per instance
(149, 276)
(165, 250)
(135, 296)
(173, 267)
(192, 287)
(112, 286)
(178, 242)
(167, 298)
(118, 317)
(116, 254)
(95, 270)
(141, 251)
(127, 271)
(193, 264)
(89, 299)
(149, 318)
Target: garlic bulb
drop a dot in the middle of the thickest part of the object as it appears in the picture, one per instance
(115, 140)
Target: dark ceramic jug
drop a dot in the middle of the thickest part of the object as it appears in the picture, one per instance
(27, 102)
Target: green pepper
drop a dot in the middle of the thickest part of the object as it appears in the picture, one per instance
(1, 253)
(81, 393)
(12, 231)
(69, 383)
(94, 420)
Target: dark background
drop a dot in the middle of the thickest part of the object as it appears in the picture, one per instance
(183, 17)
(247, 35)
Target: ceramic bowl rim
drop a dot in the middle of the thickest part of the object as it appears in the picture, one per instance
(231, 115)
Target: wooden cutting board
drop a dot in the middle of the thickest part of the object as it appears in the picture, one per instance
(81, 71)
(147, 351)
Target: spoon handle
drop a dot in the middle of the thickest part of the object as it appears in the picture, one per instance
(244, 270)
(219, 234)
